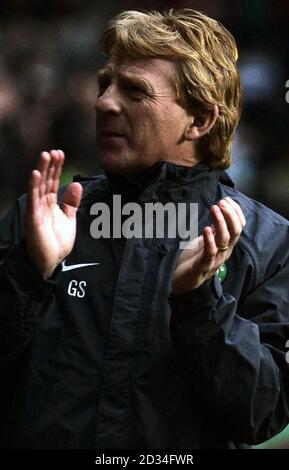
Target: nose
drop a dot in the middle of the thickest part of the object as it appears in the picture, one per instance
(109, 101)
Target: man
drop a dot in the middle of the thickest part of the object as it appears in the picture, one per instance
(136, 343)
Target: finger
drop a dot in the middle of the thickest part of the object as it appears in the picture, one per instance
(42, 167)
(232, 220)
(220, 229)
(210, 248)
(71, 199)
(195, 246)
(33, 192)
(58, 170)
(238, 210)
(51, 171)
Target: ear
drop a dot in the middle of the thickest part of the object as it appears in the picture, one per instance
(201, 123)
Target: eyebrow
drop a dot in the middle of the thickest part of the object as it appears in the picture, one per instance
(106, 73)
(102, 73)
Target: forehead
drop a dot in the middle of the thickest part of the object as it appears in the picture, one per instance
(154, 70)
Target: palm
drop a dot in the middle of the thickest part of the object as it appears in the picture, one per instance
(55, 232)
(189, 269)
(50, 229)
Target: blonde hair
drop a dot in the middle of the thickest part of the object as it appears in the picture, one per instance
(205, 54)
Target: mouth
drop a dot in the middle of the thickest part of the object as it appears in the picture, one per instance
(112, 135)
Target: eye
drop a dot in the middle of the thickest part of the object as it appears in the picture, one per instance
(136, 92)
(103, 84)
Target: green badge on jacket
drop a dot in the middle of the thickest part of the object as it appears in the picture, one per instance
(222, 272)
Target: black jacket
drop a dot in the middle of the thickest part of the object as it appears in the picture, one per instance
(205, 369)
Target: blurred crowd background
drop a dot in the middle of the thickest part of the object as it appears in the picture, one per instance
(48, 58)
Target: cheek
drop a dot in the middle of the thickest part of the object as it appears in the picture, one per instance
(143, 125)
(154, 127)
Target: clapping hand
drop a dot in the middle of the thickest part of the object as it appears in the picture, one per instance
(50, 228)
(205, 254)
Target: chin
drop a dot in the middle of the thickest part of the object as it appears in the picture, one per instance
(115, 164)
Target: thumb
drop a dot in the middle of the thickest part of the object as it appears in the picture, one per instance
(71, 199)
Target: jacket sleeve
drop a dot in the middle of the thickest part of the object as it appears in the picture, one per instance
(234, 357)
(24, 294)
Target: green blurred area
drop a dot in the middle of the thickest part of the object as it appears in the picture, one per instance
(281, 441)
(70, 171)
(67, 175)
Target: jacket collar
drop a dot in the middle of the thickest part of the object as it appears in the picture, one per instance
(162, 180)
(162, 176)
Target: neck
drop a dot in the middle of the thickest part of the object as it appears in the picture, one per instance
(187, 157)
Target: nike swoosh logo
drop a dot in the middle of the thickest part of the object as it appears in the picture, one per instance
(76, 266)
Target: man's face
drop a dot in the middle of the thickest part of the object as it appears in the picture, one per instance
(138, 121)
